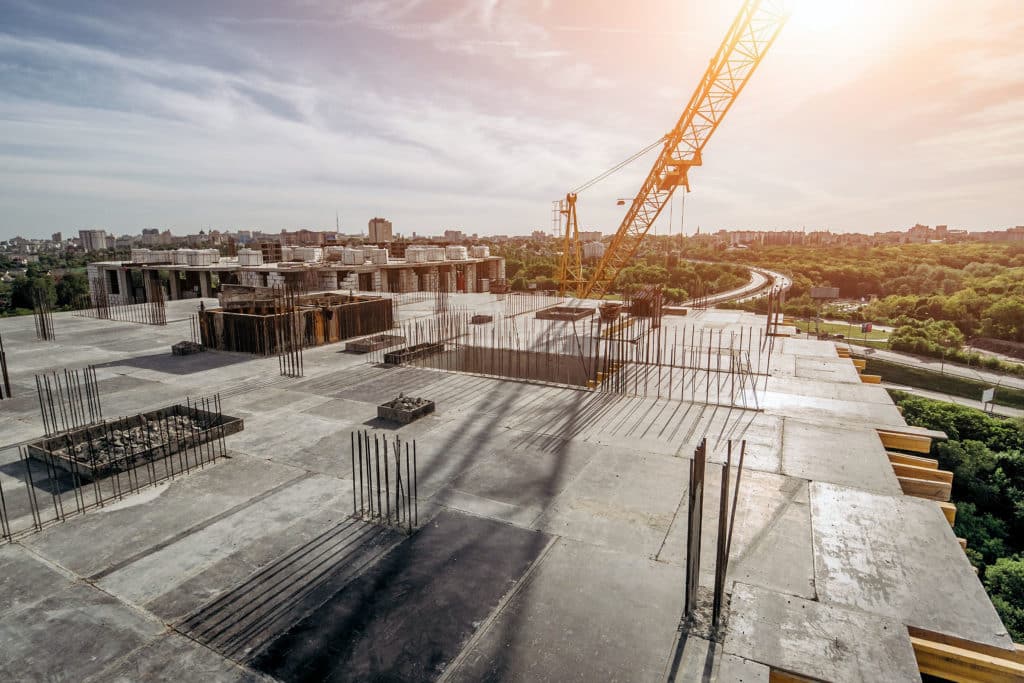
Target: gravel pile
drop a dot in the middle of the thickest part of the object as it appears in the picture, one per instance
(404, 402)
(131, 441)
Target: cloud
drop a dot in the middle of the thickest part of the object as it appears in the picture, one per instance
(477, 114)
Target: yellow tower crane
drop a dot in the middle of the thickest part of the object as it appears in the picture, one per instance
(751, 34)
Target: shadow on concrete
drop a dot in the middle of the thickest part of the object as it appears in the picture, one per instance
(182, 365)
(411, 613)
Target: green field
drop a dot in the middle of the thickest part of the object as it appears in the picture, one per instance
(850, 331)
(946, 384)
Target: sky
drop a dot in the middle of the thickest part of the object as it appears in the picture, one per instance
(866, 115)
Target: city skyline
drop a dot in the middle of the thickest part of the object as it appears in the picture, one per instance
(477, 115)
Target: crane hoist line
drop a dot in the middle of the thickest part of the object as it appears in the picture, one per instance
(748, 39)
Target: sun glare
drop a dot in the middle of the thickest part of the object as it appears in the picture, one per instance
(865, 24)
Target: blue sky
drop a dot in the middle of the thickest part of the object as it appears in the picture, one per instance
(125, 114)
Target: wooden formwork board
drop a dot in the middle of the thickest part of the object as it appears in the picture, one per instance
(905, 441)
(923, 488)
(915, 460)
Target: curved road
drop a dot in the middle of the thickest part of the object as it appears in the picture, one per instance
(760, 282)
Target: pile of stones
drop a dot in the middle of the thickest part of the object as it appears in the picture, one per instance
(117, 443)
(404, 402)
(185, 348)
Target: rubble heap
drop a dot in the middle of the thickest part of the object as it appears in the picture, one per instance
(108, 445)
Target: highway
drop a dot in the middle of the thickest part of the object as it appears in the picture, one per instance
(758, 285)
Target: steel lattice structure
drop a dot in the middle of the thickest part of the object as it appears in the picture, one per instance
(751, 35)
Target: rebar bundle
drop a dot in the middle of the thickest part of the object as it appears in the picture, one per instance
(43, 313)
(694, 530)
(381, 491)
(5, 380)
(102, 305)
(68, 399)
(624, 354)
(288, 330)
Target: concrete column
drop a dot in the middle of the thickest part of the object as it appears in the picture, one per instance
(377, 286)
(150, 282)
(205, 284)
(470, 278)
(175, 285)
(122, 284)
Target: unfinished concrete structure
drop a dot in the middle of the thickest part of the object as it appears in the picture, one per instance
(196, 273)
(552, 524)
(247, 318)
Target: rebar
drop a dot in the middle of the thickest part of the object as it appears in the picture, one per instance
(374, 502)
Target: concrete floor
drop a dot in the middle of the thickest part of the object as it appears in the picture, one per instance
(552, 541)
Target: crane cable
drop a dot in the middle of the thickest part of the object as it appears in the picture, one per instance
(618, 167)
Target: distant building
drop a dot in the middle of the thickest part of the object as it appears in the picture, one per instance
(307, 238)
(539, 235)
(593, 251)
(379, 230)
(57, 237)
(590, 236)
(454, 235)
(93, 240)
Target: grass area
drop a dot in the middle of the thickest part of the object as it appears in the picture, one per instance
(869, 342)
(946, 384)
(851, 331)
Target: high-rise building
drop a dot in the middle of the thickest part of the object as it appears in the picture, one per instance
(57, 237)
(93, 240)
(379, 230)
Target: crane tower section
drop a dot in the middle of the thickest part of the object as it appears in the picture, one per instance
(749, 37)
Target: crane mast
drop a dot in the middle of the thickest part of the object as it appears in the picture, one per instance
(751, 34)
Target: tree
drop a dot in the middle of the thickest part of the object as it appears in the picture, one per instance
(1005, 319)
(71, 288)
(1005, 583)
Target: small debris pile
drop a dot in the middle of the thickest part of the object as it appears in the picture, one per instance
(404, 402)
(106, 446)
(186, 348)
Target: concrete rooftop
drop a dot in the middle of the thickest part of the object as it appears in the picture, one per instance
(552, 539)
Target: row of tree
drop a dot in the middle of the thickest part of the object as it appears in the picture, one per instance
(64, 291)
(986, 456)
(681, 279)
(979, 288)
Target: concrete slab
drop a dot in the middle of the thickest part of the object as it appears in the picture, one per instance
(847, 455)
(240, 622)
(704, 660)
(102, 539)
(70, 635)
(894, 556)
(772, 520)
(823, 641)
(174, 657)
(528, 481)
(410, 614)
(623, 500)
(162, 568)
(584, 614)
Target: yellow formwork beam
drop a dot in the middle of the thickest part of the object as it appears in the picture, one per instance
(915, 460)
(926, 473)
(871, 379)
(903, 441)
(949, 510)
(924, 488)
(955, 659)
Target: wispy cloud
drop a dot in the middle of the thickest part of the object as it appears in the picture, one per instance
(478, 113)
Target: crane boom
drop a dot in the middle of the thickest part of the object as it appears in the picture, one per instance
(752, 32)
